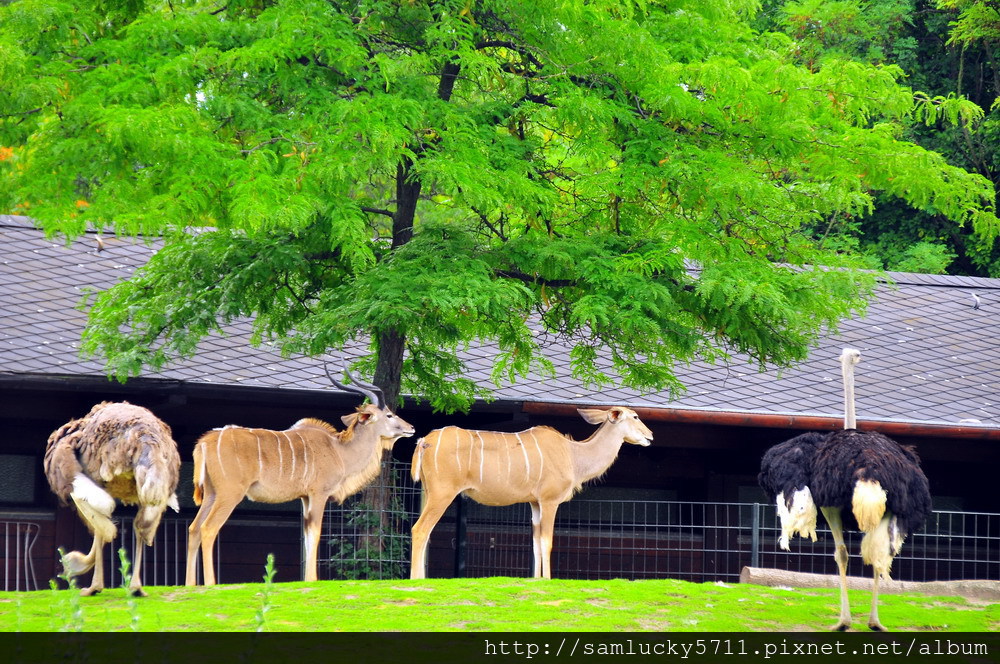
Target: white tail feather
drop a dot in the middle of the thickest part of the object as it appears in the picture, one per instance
(877, 548)
(799, 520)
(868, 504)
(95, 505)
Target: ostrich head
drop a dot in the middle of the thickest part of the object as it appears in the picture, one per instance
(849, 357)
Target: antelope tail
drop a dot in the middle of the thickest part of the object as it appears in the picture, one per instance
(868, 504)
(418, 455)
(199, 473)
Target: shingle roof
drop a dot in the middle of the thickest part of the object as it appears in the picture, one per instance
(928, 355)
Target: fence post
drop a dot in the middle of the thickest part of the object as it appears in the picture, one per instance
(755, 537)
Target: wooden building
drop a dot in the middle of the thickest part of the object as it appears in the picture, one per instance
(930, 376)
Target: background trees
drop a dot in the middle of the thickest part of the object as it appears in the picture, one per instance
(660, 181)
(947, 49)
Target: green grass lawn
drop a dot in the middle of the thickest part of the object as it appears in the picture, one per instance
(494, 604)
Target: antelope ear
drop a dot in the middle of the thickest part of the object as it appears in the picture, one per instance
(356, 418)
(593, 415)
(615, 414)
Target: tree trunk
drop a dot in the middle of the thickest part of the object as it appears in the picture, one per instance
(392, 342)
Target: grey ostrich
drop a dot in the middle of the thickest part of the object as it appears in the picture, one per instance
(862, 480)
(116, 451)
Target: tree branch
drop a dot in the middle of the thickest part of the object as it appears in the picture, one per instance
(386, 213)
(272, 141)
(512, 46)
(535, 279)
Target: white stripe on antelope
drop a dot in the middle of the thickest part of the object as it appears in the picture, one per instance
(331, 464)
(539, 466)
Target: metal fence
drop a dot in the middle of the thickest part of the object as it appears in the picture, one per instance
(360, 541)
(598, 539)
(594, 539)
(164, 563)
(19, 539)
(634, 539)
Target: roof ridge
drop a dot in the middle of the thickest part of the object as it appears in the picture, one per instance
(943, 280)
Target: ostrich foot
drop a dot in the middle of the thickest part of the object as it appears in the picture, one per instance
(842, 625)
(137, 592)
(876, 626)
(76, 563)
(92, 590)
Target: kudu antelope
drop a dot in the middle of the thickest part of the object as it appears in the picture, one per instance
(539, 466)
(311, 461)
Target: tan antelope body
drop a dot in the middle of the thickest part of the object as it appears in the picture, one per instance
(539, 466)
(310, 461)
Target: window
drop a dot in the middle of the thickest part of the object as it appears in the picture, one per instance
(17, 478)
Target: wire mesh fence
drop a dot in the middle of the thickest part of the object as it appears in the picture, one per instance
(597, 539)
(594, 539)
(634, 539)
(368, 537)
(164, 563)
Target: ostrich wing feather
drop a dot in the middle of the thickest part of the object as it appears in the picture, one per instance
(850, 456)
(61, 463)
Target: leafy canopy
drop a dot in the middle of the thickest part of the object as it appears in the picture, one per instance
(631, 177)
(945, 48)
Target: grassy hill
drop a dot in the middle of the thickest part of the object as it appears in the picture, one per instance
(488, 605)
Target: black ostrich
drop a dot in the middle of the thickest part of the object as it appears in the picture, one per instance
(863, 480)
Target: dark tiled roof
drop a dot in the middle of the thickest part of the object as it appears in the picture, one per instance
(929, 355)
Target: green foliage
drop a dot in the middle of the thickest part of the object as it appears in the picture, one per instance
(266, 594)
(125, 567)
(874, 31)
(978, 21)
(379, 549)
(641, 179)
(944, 48)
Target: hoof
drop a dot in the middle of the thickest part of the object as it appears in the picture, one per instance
(137, 592)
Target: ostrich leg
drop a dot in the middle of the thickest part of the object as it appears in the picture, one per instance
(135, 585)
(879, 549)
(873, 621)
(836, 524)
(97, 580)
(75, 563)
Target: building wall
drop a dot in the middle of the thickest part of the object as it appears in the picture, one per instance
(686, 462)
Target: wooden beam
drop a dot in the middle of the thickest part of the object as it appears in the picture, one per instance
(784, 421)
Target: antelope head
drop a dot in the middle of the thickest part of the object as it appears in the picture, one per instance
(621, 420)
(374, 417)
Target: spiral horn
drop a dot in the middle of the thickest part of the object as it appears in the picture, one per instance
(373, 392)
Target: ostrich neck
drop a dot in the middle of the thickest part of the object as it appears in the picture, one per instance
(595, 455)
(850, 421)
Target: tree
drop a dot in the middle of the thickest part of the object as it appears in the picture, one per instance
(946, 48)
(638, 178)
